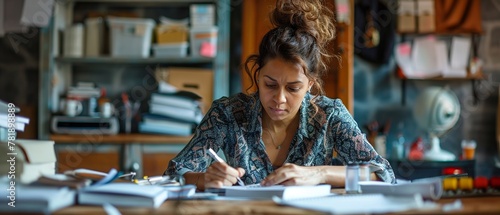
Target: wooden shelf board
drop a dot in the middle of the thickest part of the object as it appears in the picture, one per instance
(478, 76)
(132, 60)
(120, 138)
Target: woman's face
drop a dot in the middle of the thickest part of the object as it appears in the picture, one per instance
(282, 87)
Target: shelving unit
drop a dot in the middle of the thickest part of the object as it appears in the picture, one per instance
(55, 67)
(470, 77)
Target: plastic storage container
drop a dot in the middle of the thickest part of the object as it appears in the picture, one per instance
(170, 50)
(130, 37)
(203, 41)
(202, 15)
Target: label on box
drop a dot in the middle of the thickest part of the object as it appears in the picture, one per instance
(140, 30)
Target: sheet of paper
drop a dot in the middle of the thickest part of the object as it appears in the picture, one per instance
(403, 58)
(359, 204)
(428, 188)
(37, 12)
(284, 192)
(441, 50)
(425, 58)
(459, 57)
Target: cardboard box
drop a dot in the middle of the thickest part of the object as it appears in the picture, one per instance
(171, 34)
(197, 80)
(407, 21)
(426, 16)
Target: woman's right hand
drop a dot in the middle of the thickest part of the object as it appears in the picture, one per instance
(221, 174)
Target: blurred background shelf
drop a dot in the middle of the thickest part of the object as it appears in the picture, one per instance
(131, 60)
(120, 138)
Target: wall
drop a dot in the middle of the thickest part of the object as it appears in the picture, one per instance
(379, 94)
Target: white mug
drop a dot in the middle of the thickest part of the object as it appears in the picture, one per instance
(73, 108)
(106, 110)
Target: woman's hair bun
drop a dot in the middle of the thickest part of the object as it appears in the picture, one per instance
(312, 16)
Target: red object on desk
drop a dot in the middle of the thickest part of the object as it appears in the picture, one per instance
(481, 182)
(495, 182)
(417, 150)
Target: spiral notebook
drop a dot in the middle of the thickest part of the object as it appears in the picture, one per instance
(351, 204)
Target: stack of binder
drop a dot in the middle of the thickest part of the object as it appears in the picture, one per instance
(174, 113)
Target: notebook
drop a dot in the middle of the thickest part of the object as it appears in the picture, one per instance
(359, 203)
(123, 194)
(283, 192)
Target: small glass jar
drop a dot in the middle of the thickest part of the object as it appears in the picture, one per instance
(352, 179)
(364, 171)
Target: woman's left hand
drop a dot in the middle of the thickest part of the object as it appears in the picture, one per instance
(291, 174)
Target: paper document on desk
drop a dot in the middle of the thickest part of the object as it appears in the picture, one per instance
(123, 194)
(284, 192)
(359, 203)
(428, 188)
(35, 199)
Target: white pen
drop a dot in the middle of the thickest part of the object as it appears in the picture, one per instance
(214, 155)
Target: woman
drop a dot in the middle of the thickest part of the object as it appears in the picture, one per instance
(282, 133)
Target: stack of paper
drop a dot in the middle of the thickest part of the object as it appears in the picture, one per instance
(428, 57)
(34, 199)
(359, 204)
(284, 192)
(123, 194)
(9, 117)
(428, 188)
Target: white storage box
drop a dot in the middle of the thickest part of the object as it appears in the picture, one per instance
(202, 15)
(130, 37)
(203, 41)
(170, 50)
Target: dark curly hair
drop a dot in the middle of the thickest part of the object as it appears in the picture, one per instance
(302, 30)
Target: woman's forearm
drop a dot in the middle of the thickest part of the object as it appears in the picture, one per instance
(196, 178)
(335, 175)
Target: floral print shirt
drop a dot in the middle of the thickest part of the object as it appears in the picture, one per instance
(233, 125)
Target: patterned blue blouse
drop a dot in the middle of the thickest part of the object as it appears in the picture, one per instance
(233, 125)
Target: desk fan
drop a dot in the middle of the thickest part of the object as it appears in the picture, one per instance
(437, 110)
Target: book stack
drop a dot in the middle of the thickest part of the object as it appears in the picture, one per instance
(83, 90)
(123, 194)
(29, 199)
(9, 118)
(31, 159)
(175, 113)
